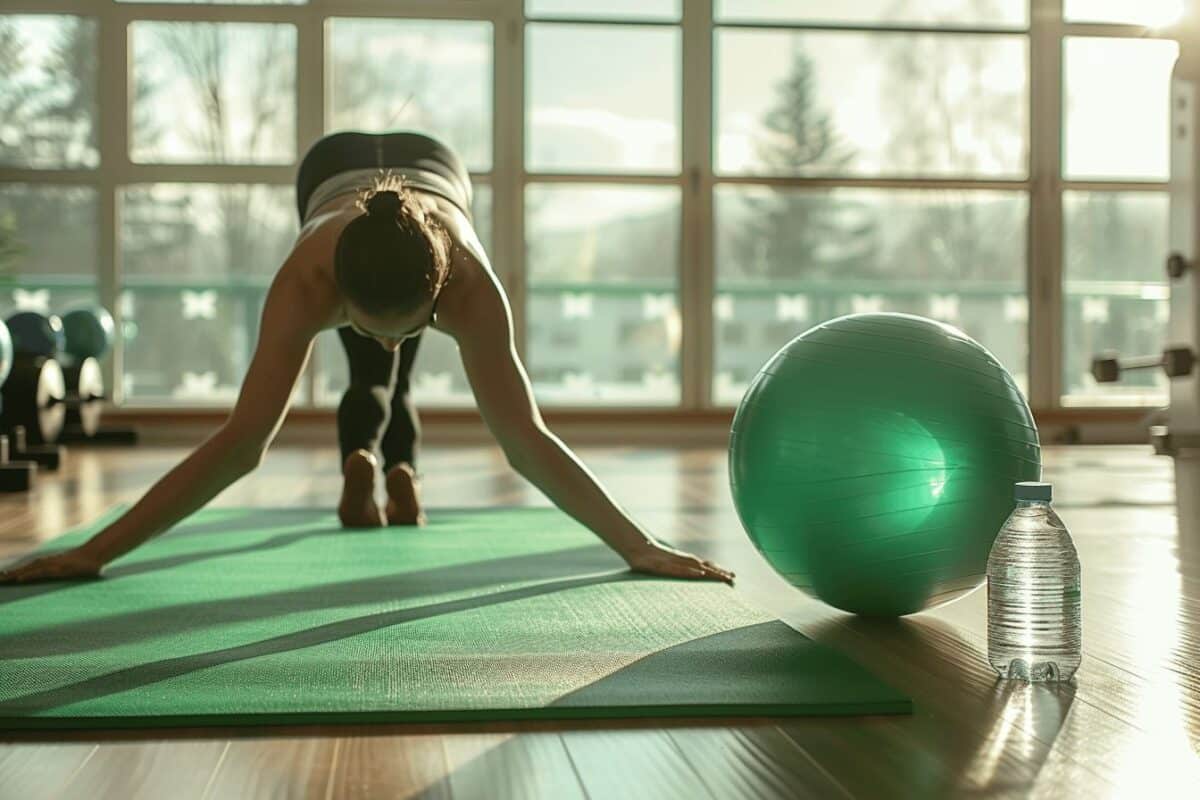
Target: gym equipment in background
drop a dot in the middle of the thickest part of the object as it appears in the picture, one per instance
(32, 410)
(46, 455)
(71, 414)
(84, 399)
(15, 475)
(34, 397)
(6, 352)
(1179, 437)
(872, 461)
(89, 332)
(36, 334)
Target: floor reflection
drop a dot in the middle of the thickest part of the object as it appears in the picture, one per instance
(976, 734)
(1026, 719)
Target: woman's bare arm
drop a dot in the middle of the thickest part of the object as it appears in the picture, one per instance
(285, 340)
(506, 402)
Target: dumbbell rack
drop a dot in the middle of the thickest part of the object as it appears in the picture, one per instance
(1180, 436)
(15, 476)
(30, 421)
(54, 393)
(1182, 431)
(84, 400)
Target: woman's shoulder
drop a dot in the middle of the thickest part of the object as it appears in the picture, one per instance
(471, 275)
(308, 270)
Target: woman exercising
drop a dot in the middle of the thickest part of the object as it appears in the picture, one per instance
(380, 256)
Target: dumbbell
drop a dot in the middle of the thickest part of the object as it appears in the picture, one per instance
(1175, 362)
(76, 340)
(32, 412)
(33, 398)
(89, 332)
(84, 398)
(15, 476)
(52, 401)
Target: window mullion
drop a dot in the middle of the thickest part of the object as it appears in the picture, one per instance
(310, 99)
(1045, 249)
(508, 164)
(113, 115)
(696, 266)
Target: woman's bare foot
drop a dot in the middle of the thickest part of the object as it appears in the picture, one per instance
(358, 508)
(403, 507)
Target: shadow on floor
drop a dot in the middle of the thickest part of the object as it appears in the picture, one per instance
(971, 734)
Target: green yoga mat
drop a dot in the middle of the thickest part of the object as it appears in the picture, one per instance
(276, 616)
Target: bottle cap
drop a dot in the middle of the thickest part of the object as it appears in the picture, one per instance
(1032, 490)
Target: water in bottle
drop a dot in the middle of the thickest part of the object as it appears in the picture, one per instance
(1033, 592)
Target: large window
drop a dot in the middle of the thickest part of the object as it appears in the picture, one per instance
(1115, 127)
(428, 75)
(604, 325)
(670, 190)
(196, 259)
(790, 258)
(48, 121)
(899, 108)
(871, 104)
(602, 258)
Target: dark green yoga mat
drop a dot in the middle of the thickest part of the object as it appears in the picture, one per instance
(274, 616)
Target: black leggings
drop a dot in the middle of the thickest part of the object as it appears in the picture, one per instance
(377, 412)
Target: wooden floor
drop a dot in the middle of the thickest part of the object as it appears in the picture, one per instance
(1128, 728)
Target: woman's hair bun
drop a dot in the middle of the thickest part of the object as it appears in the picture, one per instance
(384, 203)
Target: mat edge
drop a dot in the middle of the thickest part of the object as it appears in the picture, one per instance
(893, 707)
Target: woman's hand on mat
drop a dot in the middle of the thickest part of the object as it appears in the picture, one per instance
(653, 558)
(68, 565)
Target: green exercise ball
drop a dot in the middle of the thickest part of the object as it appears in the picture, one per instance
(872, 461)
(89, 331)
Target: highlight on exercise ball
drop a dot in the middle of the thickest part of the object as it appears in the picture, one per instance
(872, 460)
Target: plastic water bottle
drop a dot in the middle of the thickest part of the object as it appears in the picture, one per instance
(1033, 592)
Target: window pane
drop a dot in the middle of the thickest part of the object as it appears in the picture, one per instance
(196, 263)
(788, 259)
(213, 93)
(48, 245)
(438, 378)
(1117, 106)
(428, 75)
(606, 9)
(878, 12)
(592, 111)
(1152, 13)
(1115, 245)
(603, 310)
(48, 72)
(879, 104)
